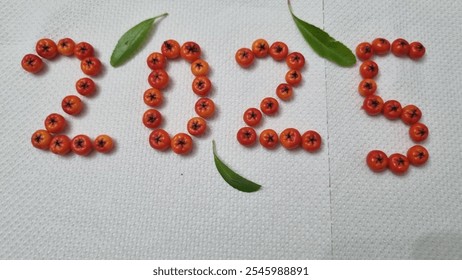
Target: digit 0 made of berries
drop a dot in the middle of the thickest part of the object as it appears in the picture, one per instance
(374, 105)
(52, 137)
(289, 138)
(158, 79)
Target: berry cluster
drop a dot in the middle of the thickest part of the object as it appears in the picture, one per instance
(290, 138)
(50, 137)
(158, 79)
(398, 47)
(391, 109)
(48, 49)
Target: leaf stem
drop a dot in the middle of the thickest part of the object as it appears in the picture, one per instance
(159, 16)
(214, 147)
(290, 6)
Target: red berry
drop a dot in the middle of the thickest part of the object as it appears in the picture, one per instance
(416, 50)
(373, 105)
(369, 69)
(364, 51)
(400, 47)
(377, 161)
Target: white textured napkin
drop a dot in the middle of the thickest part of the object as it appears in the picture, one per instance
(137, 203)
(418, 215)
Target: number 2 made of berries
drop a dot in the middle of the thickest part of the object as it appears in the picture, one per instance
(374, 105)
(289, 138)
(52, 137)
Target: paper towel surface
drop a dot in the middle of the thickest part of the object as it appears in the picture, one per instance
(416, 216)
(136, 203)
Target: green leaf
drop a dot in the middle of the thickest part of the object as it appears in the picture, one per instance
(323, 44)
(131, 41)
(232, 178)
